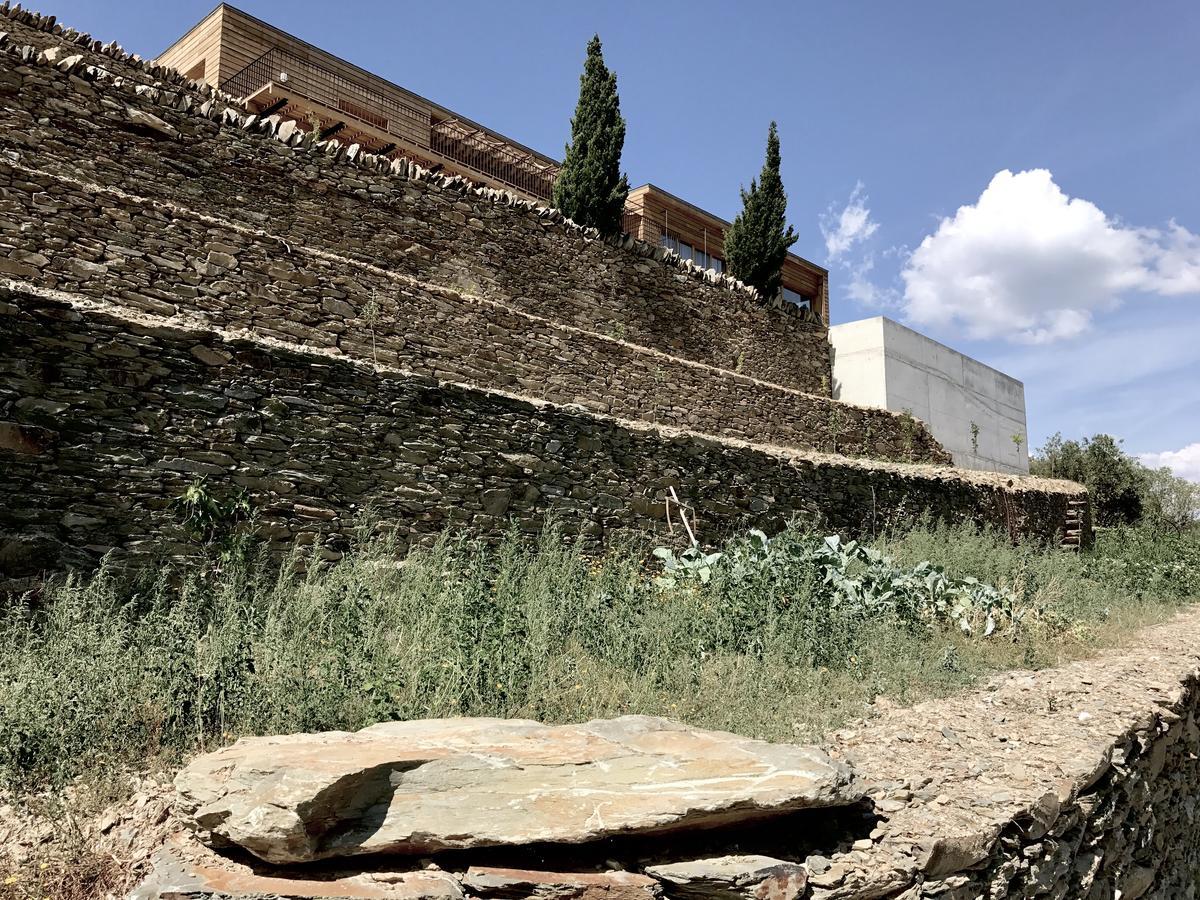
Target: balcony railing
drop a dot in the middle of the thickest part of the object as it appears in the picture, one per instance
(484, 153)
(631, 223)
(476, 151)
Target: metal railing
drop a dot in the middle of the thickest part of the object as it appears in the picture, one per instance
(453, 140)
(491, 156)
(301, 76)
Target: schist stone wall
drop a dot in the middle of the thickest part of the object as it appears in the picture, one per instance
(107, 418)
(191, 291)
(428, 274)
(1073, 782)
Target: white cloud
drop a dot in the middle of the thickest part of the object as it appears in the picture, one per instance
(1028, 263)
(853, 225)
(862, 288)
(1185, 462)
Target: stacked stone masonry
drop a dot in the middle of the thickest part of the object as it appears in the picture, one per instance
(1075, 782)
(109, 418)
(440, 280)
(132, 199)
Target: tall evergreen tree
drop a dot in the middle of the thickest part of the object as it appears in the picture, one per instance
(757, 242)
(590, 188)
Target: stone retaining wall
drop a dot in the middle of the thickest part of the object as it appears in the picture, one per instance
(202, 212)
(106, 419)
(165, 259)
(1076, 782)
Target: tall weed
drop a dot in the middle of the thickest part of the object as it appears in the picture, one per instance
(116, 669)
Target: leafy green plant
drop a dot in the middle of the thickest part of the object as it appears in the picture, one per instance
(692, 563)
(207, 517)
(975, 438)
(1116, 482)
(864, 582)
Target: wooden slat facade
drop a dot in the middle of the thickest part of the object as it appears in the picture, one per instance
(322, 91)
(652, 214)
(200, 46)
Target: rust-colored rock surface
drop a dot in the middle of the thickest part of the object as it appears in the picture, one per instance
(486, 882)
(425, 786)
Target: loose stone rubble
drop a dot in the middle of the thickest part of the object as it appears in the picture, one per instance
(428, 786)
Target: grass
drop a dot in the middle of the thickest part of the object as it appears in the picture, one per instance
(122, 670)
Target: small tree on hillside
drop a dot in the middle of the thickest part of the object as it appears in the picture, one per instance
(1170, 503)
(757, 242)
(1115, 480)
(590, 188)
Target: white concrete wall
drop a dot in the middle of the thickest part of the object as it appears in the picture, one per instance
(878, 362)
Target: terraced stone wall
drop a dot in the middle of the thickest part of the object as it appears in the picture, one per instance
(107, 418)
(160, 200)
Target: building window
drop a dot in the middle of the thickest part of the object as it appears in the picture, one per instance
(796, 297)
(687, 251)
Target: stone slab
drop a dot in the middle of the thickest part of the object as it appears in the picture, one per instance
(426, 786)
(184, 871)
(746, 877)
(490, 883)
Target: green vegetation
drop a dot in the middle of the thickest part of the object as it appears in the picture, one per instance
(590, 188)
(757, 242)
(781, 638)
(1123, 491)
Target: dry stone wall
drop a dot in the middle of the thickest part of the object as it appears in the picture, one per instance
(190, 291)
(465, 283)
(438, 230)
(162, 259)
(1076, 782)
(108, 418)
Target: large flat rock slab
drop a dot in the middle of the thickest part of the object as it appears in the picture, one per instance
(431, 785)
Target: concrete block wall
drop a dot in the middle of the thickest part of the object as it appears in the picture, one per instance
(881, 363)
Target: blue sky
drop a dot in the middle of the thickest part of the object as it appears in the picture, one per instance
(1017, 180)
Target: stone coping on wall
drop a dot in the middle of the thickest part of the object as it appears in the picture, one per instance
(1078, 781)
(181, 325)
(230, 112)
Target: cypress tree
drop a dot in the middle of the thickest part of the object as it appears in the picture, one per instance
(590, 188)
(757, 242)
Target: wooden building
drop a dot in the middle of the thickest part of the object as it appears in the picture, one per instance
(659, 217)
(279, 73)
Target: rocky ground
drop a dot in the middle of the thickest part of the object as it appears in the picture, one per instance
(1079, 781)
